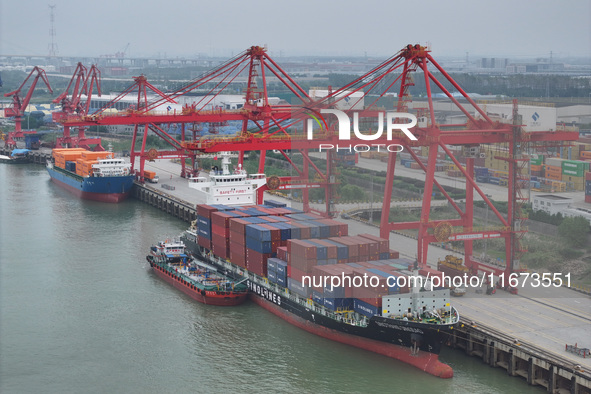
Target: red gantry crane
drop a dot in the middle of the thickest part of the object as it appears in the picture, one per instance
(286, 128)
(83, 82)
(19, 105)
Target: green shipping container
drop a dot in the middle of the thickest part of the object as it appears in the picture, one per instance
(575, 165)
(537, 160)
(573, 172)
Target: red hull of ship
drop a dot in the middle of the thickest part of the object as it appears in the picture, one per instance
(425, 361)
(102, 197)
(210, 297)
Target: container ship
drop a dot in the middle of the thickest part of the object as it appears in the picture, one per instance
(276, 249)
(91, 175)
(195, 278)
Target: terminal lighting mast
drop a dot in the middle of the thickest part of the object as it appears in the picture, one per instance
(52, 43)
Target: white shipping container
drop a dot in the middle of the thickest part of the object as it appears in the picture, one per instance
(554, 161)
(534, 118)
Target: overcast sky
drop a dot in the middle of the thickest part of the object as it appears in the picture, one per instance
(511, 28)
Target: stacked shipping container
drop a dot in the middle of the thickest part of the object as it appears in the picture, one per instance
(286, 245)
(78, 160)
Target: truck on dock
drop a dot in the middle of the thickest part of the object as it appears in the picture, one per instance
(150, 176)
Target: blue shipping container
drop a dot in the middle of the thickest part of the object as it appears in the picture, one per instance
(393, 286)
(342, 250)
(272, 276)
(281, 267)
(335, 303)
(258, 246)
(272, 264)
(317, 297)
(297, 288)
(275, 204)
(321, 250)
(336, 292)
(203, 233)
(364, 308)
(257, 232)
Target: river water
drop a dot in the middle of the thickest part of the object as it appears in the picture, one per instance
(81, 312)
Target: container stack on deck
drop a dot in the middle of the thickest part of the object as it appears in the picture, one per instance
(78, 160)
(286, 245)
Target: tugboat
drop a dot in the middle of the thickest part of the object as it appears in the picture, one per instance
(197, 279)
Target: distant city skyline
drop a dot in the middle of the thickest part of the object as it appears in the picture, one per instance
(512, 29)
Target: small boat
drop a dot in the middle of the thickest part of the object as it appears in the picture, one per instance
(17, 156)
(197, 279)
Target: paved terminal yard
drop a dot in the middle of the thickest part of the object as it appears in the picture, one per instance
(548, 318)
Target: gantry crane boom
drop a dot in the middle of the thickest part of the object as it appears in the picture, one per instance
(19, 105)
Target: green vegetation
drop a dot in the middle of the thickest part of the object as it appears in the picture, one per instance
(574, 231)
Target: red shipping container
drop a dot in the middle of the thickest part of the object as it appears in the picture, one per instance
(353, 247)
(318, 273)
(237, 248)
(238, 258)
(216, 237)
(205, 210)
(220, 249)
(257, 262)
(219, 230)
(331, 250)
(221, 219)
(366, 246)
(282, 253)
(239, 238)
(333, 226)
(383, 244)
(588, 176)
(298, 274)
(302, 263)
(238, 225)
(305, 231)
(394, 254)
(275, 232)
(281, 211)
(588, 198)
(301, 248)
(269, 219)
(204, 242)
